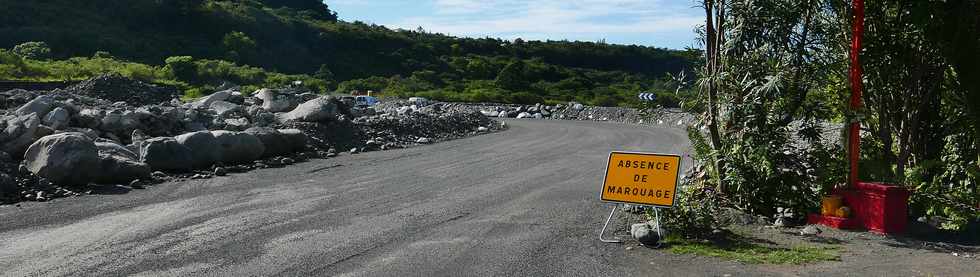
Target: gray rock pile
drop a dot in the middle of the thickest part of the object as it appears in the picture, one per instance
(577, 111)
(114, 130)
(116, 88)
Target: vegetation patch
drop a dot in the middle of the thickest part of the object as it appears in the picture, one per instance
(741, 249)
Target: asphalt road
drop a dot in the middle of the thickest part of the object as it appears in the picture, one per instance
(523, 202)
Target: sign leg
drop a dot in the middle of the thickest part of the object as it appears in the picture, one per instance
(603, 231)
(660, 234)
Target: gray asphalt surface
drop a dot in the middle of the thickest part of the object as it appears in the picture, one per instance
(523, 202)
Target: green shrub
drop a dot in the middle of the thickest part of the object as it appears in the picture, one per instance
(35, 50)
(194, 93)
(12, 66)
(182, 68)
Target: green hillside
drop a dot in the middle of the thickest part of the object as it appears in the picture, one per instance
(263, 42)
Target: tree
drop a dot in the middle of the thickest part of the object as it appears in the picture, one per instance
(313, 8)
(512, 77)
(182, 68)
(12, 64)
(238, 46)
(921, 103)
(713, 38)
(763, 59)
(35, 50)
(324, 73)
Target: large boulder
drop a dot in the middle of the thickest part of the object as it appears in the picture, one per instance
(279, 142)
(66, 158)
(109, 148)
(205, 150)
(205, 102)
(119, 121)
(263, 119)
(295, 138)
(165, 153)
(490, 113)
(19, 133)
(57, 118)
(40, 106)
(236, 97)
(273, 101)
(89, 118)
(236, 124)
(320, 109)
(118, 165)
(8, 186)
(238, 147)
(158, 121)
(224, 108)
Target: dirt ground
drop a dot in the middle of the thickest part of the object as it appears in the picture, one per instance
(861, 254)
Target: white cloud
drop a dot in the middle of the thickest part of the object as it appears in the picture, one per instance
(557, 19)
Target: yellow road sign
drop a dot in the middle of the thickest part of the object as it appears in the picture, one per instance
(641, 178)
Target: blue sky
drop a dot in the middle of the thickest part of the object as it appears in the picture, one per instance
(660, 23)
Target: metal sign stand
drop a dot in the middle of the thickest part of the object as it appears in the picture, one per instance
(656, 218)
(603, 231)
(660, 234)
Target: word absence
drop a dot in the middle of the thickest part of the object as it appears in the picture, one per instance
(641, 178)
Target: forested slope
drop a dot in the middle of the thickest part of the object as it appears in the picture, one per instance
(305, 38)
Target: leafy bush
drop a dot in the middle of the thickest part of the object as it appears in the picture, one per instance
(238, 45)
(36, 50)
(947, 187)
(12, 66)
(182, 68)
